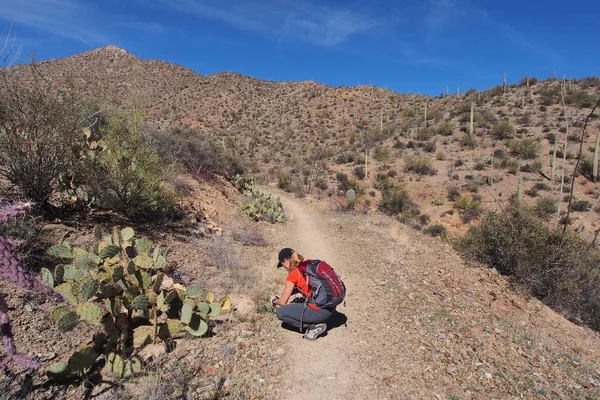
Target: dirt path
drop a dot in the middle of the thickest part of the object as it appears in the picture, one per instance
(310, 237)
(420, 323)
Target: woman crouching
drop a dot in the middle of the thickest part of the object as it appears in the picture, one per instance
(300, 313)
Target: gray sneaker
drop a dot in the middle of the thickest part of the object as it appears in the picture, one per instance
(314, 331)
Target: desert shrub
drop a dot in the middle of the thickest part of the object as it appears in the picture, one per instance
(586, 167)
(580, 99)
(526, 148)
(525, 119)
(430, 146)
(423, 134)
(580, 205)
(509, 164)
(345, 183)
(503, 130)
(542, 186)
(470, 208)
(396, 200)
(440, 155)
(467, 141)
(533, 167)
(346, 157)
(459, 163)
(419, 164)
(532, 81)
(40, 136)
(424, 219)
(521, 245)
(284, 179)
(453, 193)
(359, 172)
(382, 153)
(128, 175)
(445, 128)
(436, 230)
(196, 152)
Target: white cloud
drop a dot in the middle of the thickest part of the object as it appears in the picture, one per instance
(72, 19)
(309, 22)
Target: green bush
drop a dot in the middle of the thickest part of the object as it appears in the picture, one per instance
(128, 175)
(470, 208)
(526, 148)
(419, 164)
(521, 245)
(503, 130)
(445, 128)
(396, 200)
(436, 230)
(284, 179)
(382, 153)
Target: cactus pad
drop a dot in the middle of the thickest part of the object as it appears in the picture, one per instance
(203, 308)
(140, 302)
(82, 359)
(194, 291)
(72, 273)
(67, 321)
(144, 261)
(187, 310)
(215, 309)
(58, 312)
(143, 245)
(197, 326)
(109, 251)
(90, 313)
(60, 251)
(115, 365)
(142, 279)
(59, 273)
(47, 277)
(86, 261)
(210, 296)
(127, 234)
(88, 287)
(171, 329)
(66, 290)
(225, 303)
(57, 371)
(142, 335)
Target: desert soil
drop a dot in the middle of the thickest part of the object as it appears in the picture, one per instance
(419, 322)
(423, 325)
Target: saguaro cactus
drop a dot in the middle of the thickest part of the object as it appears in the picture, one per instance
(520, 189)
(425, 115)
(553, 160)
(471, 120)
(504, 84)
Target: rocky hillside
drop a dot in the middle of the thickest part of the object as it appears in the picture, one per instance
(424, 142)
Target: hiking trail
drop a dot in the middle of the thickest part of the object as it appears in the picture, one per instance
(420, 323)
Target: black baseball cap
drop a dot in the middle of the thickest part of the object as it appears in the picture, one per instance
(284, 254)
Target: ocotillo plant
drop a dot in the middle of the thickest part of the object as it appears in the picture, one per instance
(12, 270)
(520, 189)
(595, 171)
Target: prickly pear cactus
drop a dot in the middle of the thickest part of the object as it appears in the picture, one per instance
(116, 285)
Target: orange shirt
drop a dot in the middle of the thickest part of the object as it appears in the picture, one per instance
(296, 277)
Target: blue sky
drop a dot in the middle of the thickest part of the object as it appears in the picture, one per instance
(418, 46)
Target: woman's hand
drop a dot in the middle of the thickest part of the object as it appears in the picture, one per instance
(273, 299)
